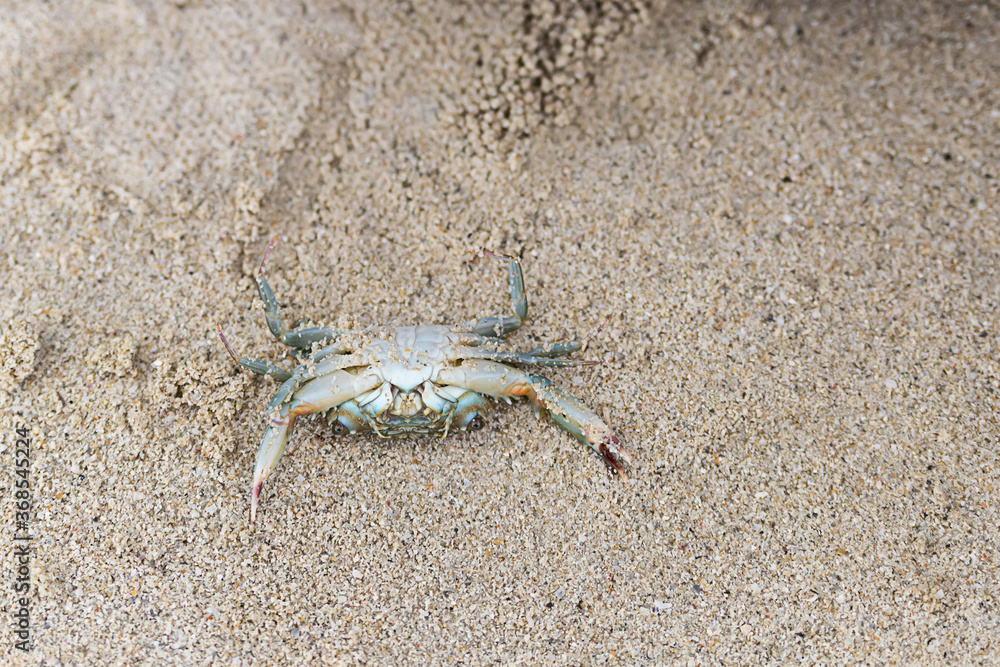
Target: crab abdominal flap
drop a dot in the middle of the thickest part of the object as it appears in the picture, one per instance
(407, 379)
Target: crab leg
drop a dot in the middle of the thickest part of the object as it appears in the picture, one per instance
(501, 326)
(264, 368)
(295, 398)
(255, 365)
(527, 358)
(497, 349)
(303, 338)
(569, 412)
(272, 447)
(555, 349)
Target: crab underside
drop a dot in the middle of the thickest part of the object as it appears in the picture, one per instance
(415, 380)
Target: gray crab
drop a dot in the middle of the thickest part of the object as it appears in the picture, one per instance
(415, 380)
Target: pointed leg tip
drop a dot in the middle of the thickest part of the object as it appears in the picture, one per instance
(256, 488)
(615, 455)
(229, 348)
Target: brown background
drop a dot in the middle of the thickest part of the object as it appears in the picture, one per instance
(789, 218)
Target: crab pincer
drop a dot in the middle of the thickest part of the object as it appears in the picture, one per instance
(272, 447)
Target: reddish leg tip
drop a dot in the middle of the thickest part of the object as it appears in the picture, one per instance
(254, 497)
(614, 456)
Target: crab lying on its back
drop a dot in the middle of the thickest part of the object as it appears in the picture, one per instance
(417, 380)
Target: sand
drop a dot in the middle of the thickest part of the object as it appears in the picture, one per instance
(788, 217)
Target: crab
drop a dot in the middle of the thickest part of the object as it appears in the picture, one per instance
(415, 380)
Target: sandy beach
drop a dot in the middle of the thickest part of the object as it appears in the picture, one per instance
(786, 215)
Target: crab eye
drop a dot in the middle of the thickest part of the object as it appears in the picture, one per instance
(339, 428)
(469, 409)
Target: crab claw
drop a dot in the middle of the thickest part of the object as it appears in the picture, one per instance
(614, 454)
(272, 446)
(576, 419)
(596, 435)
(566, 410)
